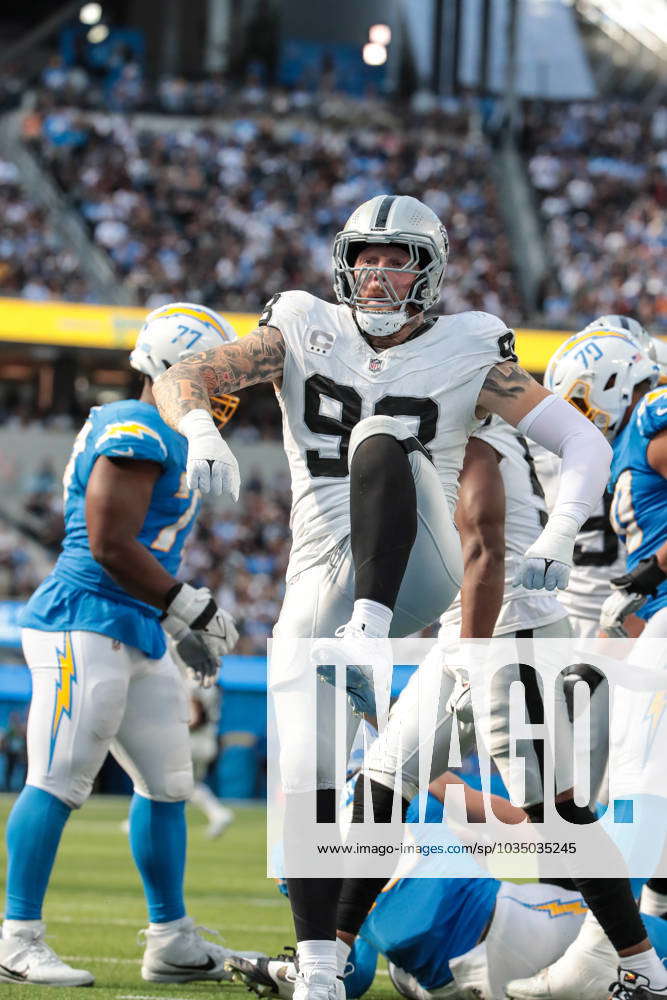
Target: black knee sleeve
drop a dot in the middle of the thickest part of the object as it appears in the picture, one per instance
(382, 799)
(356, 899)
(314, 903)
(326, 800)
(612, 902)
(383, 517)
(578, 815)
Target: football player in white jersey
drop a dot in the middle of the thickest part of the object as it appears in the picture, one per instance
(500, 513)
(378, 401)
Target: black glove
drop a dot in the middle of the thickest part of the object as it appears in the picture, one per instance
(645, 578)
(190, 650)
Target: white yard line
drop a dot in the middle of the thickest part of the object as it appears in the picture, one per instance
(97, 958)
(249, 928)
(147, 996)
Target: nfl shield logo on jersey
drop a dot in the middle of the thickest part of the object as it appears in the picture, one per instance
(375, 365)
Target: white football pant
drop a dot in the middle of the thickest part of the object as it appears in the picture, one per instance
(321, 598)
(406, 738)
(92, 694)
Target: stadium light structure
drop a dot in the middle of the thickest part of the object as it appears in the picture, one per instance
(379, 34)
(98, 33)
(374, 54)
(90, 13)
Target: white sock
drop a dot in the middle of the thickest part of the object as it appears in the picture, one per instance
(204, 799)
(170, 926)
(652, 902)
(11, 927)
(342, 954)
(646, 963)
(372, 618)
(316, 955)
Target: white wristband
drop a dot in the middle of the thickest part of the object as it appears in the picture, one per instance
(196, 424)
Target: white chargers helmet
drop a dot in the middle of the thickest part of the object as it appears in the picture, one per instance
(177, 331)
(654, 346)
(396, 220)
(597, 370)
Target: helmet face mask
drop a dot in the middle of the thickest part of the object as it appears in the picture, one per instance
(384, 221)
(178, 331)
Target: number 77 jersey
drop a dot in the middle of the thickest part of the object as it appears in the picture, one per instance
(332, 379)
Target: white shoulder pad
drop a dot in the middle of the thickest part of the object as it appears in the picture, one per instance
(286, 308)
(492, 335)
(304, 321)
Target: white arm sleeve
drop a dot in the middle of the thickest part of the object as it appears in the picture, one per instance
(585, 454)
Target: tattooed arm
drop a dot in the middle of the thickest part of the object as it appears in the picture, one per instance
(189, 384)
(510, 392)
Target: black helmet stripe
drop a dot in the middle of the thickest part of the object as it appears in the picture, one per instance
(383, 211)
(624, 322)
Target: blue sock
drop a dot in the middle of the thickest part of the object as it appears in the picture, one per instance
(33, 833)
(158, 843)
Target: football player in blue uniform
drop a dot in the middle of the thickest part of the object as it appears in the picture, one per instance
(454, 937)
(610, 372)
(102, 677)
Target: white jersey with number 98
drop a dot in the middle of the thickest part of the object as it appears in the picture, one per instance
(332, 379)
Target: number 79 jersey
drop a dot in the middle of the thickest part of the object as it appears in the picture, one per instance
(639, 506)
(332, 379)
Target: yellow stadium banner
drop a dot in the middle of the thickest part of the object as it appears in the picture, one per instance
(67, 324)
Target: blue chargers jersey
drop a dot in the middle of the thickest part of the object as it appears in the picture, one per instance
(79, 593)
(639, 507)
(420, 923)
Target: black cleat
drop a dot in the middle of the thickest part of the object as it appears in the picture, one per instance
(633, 986)
(265, 976)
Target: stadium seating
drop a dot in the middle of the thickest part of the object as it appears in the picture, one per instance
(599, 171)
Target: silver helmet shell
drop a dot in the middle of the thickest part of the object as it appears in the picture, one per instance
(390, 220)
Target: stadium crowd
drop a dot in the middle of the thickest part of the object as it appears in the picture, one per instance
(227, 212)
(600, 175)
(240, 554)
(34, 262)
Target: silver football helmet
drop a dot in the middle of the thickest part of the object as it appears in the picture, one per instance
(396, 220)
(597, 370)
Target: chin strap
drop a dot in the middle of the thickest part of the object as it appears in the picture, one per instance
(381, 324)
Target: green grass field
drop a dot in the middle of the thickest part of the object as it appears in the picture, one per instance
(95, 907)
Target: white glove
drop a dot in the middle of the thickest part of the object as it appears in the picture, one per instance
(196, 608)
(212, 467)
(190, 652)
(616, 609)
(547, 563)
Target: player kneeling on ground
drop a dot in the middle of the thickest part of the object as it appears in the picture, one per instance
(453, 938)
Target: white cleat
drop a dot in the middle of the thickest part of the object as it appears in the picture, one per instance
(25, 958)
(219, 822)
(583, 972)
(319, 986)
(181, 955)
(359, 654)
